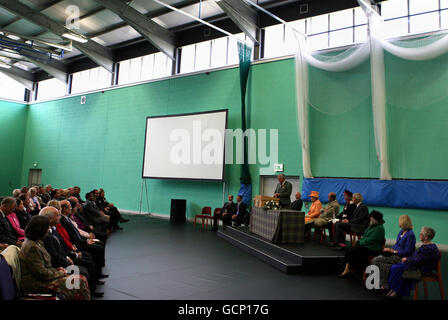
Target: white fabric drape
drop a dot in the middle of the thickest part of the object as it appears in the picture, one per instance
(378, 83)
(337, 64)
(427, 52)
(374, 47)
(302, 107)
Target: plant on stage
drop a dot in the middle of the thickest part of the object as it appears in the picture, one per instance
(272, 205)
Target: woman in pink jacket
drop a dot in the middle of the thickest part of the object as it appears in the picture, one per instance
(16, 225)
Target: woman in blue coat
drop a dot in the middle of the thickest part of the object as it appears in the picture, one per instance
(424, 259)
(403, 247)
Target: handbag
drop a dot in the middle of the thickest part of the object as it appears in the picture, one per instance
(412, 274)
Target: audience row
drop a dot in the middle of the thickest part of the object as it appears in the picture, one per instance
(61, 237)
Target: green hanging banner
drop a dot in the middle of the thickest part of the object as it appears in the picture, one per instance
(245, 56)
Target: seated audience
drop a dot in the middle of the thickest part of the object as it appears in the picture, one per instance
(346, 213)
(94, 215)
(226, 213)
(26, 204)
(40, 193)
(424, 259)
(241, 215)
(298, 203)
(95, 248)
(15, 224)
(403, 247)
(358, 222)
(63, 256)
(46, 194)
(76, 194)
(21, 214)
(357, 258)
(7, 233)
(16, 193)
(83, 224)
(34, 199)
(109, 209)
(329, 212)
(37, 273)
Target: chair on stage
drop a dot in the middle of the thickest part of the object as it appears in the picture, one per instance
(364, 275)
(321, 233)
(206, 212)
(207, 217)
(354, 237)
(436, 277)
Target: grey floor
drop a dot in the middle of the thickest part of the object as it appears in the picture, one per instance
(153, 260)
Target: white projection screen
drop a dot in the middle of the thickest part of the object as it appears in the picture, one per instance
(185, 146)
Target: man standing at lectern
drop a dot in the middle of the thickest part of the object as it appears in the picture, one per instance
(283, 191)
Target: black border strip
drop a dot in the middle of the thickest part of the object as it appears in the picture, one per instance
(181, 115)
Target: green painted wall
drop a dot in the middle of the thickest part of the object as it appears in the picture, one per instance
(12, 136)
(100, 144)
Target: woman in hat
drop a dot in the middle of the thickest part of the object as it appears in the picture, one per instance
(403, 247)
(357, 258)
(313, 213)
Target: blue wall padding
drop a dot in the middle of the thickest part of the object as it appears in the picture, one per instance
(383, 193)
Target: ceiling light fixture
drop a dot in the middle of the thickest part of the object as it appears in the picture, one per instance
(75, 37)
(4, 65)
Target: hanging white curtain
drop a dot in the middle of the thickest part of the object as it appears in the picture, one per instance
(378, 83)
(342, 61)
(430, 51)
(302, 106)
(346, 60)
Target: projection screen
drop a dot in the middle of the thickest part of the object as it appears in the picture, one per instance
(185, 146)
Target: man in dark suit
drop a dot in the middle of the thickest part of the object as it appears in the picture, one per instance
(241, 214)
(96, 249)
(225, 215)
(298, 203)
(94, 215)
(283, 191)
(76, 194)
(346, 213)
(83, 224)
(358, 223)
(7, 233)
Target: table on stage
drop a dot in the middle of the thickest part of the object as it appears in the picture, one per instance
(278, 226)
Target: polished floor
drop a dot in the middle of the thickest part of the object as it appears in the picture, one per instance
(153, 260)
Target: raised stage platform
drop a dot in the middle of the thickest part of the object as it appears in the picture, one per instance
(309, 257)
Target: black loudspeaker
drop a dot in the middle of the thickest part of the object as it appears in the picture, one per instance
(178, 210)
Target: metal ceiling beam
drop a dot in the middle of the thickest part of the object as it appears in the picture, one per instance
(150, 15)
(39, 8)
(84, 16)
(54, 67)
(20, 76)
(160, 37)
(99, 54)
(244, 16)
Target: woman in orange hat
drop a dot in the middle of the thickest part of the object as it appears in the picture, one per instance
(313, 213)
